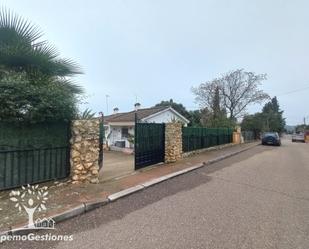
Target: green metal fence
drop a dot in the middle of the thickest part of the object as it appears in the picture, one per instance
(32, 153)
(195, 138)
(102, 140)
(249, 136)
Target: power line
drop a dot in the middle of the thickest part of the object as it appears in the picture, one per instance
(293, 91)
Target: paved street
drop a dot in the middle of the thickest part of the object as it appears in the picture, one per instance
(257, 199)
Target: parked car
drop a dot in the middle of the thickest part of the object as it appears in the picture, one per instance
(271, 138)
(298, 137)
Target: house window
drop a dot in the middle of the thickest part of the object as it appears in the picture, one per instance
(124, 132)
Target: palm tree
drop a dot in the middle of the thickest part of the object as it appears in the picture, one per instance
(22, 49)
(24, 52)
(87, 114)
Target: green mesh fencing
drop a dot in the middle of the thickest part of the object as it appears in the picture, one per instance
(195, 138)
(32, 153)
(249, 136)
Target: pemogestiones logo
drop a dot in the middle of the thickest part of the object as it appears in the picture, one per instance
(31, 199)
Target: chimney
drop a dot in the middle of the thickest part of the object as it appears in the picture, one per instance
(116, 109)
(137, 106)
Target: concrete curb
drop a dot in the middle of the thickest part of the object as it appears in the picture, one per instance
(95, 204)
(5, 233)
(91, 205)
(154, 181)
(169, 176)
(125, 192)
(69, 213)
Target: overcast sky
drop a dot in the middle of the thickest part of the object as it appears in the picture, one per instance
(153, 50)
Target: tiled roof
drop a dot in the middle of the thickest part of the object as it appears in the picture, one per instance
(130, 116)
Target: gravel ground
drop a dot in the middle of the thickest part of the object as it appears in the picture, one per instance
(257, 199)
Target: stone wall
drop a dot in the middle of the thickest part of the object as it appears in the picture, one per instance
(173, 142)
(84, 157)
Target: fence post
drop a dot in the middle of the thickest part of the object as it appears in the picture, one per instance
(173, 142)
(237, 137)
(85, 151)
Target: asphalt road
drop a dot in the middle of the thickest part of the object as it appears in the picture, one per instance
(257, 199)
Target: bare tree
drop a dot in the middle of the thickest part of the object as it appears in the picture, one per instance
(205, 94)
(238, 89)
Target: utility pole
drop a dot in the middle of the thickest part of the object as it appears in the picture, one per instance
(304, 123)
(305, 119)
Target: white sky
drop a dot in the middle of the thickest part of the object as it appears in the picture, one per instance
(155, 50)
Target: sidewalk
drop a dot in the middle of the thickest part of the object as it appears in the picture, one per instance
(67, 200)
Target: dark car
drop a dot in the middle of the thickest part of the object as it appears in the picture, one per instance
(271, 138)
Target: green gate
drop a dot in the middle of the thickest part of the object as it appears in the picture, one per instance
(101, 143)
(33, 153)
(149, 144)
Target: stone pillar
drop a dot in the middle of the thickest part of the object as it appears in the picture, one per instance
(236, 137)
(173, 142)
(84, 158)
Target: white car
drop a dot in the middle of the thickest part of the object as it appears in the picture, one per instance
(298, 137)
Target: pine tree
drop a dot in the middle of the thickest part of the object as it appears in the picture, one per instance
(216, 104)
(273, 116)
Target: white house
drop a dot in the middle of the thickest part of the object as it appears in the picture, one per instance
(119, 127)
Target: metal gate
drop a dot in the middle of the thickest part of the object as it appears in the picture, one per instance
(101, 143)
(33, 153)
(149, 144)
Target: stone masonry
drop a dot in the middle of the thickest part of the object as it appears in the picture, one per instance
(173, 142)
(237, 138)
(84, 155)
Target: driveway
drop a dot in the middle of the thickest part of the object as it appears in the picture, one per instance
(257, 199)
(116, 164)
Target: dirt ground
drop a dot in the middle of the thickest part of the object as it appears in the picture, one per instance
(116, 164)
